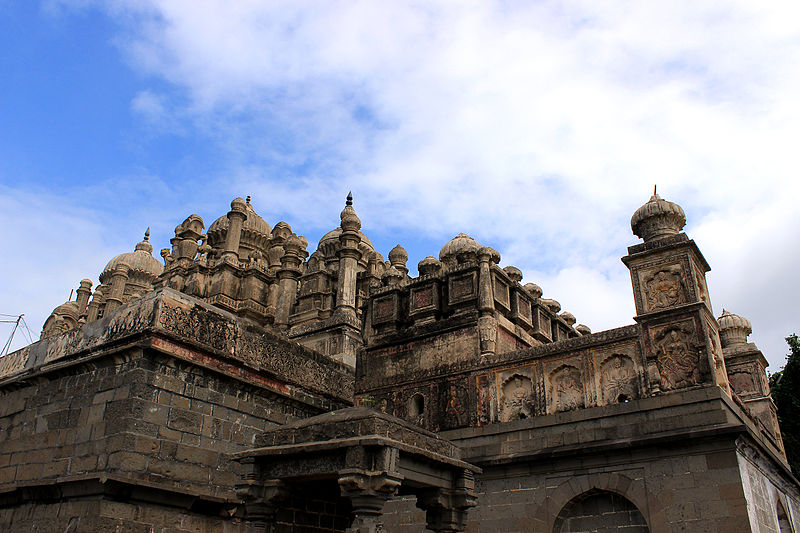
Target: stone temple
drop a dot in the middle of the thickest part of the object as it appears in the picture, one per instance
(243, 385)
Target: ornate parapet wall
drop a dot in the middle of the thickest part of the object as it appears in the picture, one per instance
(143, 407)
(591, 370)
(189, 329)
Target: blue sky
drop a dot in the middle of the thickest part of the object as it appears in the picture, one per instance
(536, 127)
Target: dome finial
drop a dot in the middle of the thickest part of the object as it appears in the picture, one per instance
(247, 200)
(658, 218)
(147, 234)
(349, 199)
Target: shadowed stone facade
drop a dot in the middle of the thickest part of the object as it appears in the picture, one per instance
(246, 385)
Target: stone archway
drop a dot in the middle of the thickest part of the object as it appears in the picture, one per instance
(784, 525)
(600, 511)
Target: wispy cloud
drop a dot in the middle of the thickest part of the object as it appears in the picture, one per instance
(537, 127)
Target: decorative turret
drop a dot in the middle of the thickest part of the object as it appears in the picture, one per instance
(349, 256)
(350, 221)
(673, 306)
(733, 329)
(429, 266)
(658, 218)
(398, 257)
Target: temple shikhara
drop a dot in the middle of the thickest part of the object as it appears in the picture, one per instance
(245, 382)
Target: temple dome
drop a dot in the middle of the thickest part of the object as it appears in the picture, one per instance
(329, 244)
(458, 245)
(141, 260)
(658, 218)
(255, 231)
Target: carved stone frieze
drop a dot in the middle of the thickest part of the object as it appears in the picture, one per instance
(201, 326)
(14, 362)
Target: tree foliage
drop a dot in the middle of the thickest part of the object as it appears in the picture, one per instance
(785, 387)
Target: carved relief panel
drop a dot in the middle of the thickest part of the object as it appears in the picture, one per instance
(662, 287)
(461, 288)
(485, 400)
(384, 309)
(565, 390)
(501, 293)
(675, 347)
(516, 394)
(619, 379)
(453, 406)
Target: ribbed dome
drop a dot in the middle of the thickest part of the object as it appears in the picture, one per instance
(658, 218)
(253, 224)
(140, 260)
(460, 244)
(733, 329)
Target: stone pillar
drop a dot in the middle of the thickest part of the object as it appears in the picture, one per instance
(368, 492)
(348, 255)
(398, 258)
(288, 276)
(84, 291)
(262, 499)
(118, 279)
(446, 509)
(487, 323)
(681, 336)
(236, 218)
(94, 307)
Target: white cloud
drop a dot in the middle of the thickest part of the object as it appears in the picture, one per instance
(539, 126)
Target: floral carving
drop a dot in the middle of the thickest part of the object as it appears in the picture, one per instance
(566, 389)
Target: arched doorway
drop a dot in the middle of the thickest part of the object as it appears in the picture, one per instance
(599, 511)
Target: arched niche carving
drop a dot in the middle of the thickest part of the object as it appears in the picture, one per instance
(416, 409)
(516, 397)
(618, 379)
(566, 388)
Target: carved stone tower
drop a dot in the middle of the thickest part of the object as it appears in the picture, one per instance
(681, 337)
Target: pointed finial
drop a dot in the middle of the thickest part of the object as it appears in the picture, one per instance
(654, 189)
(147, 234)
(247, 199)
(349, 198)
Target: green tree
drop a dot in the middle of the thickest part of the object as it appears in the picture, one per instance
(785, 387)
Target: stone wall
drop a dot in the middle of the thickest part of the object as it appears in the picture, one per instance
(677, 458)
